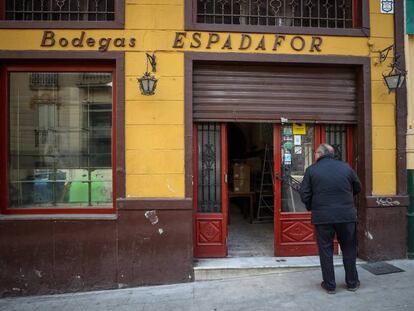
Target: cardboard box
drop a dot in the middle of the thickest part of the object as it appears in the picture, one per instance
(241, 185)
(241, 171)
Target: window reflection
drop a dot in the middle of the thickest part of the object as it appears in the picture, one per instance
(60, 139)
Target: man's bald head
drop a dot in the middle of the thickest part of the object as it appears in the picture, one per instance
(325, 149)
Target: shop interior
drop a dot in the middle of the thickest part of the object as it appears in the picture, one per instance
(251, 190)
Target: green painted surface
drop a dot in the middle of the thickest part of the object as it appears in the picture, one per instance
(79, 190)
(409, 9)
(410, 214)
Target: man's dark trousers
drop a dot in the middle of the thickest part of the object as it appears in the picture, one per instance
(346, 235)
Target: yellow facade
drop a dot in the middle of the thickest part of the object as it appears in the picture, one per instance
(154, 125)
(409, 52)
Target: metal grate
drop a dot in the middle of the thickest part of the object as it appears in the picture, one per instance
(209, 168)
(298, 13)
(60, 10)
(381, 267)
(96, 78)
(336, 137)
(40, 80)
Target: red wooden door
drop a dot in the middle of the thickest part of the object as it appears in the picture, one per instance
(210, 191)
(294, 152)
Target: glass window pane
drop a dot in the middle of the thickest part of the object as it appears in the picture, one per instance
(60, 139)
(297, 155)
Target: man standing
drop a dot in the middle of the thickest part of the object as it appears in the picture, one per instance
(327, 190)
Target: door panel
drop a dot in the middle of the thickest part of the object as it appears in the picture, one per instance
(210, 190)
(295, 235)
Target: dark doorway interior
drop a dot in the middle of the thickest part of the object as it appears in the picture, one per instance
(250, 156)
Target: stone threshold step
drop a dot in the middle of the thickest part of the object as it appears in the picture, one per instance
(220, 268)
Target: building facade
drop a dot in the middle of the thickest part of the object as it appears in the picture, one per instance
(105, 187)
(409, 53)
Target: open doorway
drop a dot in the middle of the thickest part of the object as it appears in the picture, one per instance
(251, 190)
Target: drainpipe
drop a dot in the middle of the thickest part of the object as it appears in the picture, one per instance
(410, 214)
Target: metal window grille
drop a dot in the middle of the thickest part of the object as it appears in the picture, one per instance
(39, 80)
(336, 137)
(96, 78)
(298, 13)
(60, 10)
(209, 168)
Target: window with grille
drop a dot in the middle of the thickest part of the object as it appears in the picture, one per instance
(338, 14)
(59, 10)
(335, 135)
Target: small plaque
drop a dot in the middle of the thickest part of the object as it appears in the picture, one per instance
(387, 6)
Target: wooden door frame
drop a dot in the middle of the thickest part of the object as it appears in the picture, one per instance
(277, 158)
(363, 72)
(362, 65)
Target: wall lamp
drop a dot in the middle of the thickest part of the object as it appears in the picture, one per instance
(395, 77)
(148, 83)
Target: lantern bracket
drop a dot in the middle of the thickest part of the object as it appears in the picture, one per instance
(383, 54)
(152, 61)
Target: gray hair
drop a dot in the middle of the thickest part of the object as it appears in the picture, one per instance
(326, 149)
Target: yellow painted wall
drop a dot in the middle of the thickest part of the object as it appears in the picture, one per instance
(383, 105)
(155, 124)
(409, 52)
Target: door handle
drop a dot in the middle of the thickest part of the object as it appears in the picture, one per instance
(226, 178)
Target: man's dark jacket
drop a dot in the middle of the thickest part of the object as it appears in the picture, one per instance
(327, 190)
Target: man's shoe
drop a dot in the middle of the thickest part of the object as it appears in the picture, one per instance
(328, 290)
(354, 289)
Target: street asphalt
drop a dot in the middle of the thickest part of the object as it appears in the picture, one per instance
(294, 290)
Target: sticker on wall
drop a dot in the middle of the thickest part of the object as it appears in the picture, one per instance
(387, 6)
(298, 149)
(288, 145)
(299, 129)
(287, 158)
(298, 140)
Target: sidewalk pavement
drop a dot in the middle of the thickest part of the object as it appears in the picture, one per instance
(297, 290)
